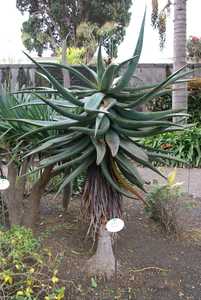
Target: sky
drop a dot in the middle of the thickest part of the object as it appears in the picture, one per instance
(11, 20)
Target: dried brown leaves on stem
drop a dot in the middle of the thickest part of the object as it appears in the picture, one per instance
(100, 202)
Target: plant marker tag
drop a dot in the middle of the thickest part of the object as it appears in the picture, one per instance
(4, 184)
(115, 225)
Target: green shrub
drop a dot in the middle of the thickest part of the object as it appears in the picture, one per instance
(184, 145)
(160, 193)
(162, 203)
(27, 272)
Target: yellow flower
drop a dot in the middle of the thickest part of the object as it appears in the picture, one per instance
(29, 282)
(20, 293)
(55, 279)
(32, 270)
(8, 279)
(17, 267)
(29, 291)
(171, 177)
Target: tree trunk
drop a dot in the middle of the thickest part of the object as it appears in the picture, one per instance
(67, 192)
(103, 262)
(180, 93)
(13, 196)
(32, 207)
(66, 75)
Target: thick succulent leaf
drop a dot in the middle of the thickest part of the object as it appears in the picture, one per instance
(73, 70)
(111, 181)
(47, 124)
(99, 119)
(123, 82)
(108, 77)
(131, 124)
(129, 166)
(82, 167)
(51, 142)
(59, 110)
(144, 133)
(100, 64)
(93, 102)
(87, 152)
(123, 63)
(169, 81)
(155, 155)
(113, 141)
(130, 178)
(63, 91)
(141, 159)
(147, 116)
(133, 149)
(100, 150)
(92, 72)
(69, 152)
(105, 125)
(61, 103)
(123, 180)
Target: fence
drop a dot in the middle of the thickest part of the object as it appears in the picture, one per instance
(15, 76)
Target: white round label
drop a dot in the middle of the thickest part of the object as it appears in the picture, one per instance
(4, 184)
(115, 225)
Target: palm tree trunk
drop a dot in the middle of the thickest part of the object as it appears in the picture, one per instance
(67, 192)
(66, 75)
(180, 93)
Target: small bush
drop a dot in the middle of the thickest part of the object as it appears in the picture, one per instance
(161, 200)
(27, 272)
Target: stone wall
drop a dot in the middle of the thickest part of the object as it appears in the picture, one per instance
(16, 76)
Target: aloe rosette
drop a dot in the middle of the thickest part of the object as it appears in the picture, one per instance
(97, 128)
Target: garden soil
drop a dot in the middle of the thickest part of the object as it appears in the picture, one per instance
(152, 265)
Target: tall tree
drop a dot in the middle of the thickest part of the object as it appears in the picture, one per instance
(180, 95)
(102, 138)
(51, 22)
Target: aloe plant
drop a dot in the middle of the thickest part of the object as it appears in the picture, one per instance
(99, 131)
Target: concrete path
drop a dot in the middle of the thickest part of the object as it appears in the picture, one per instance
(190, 177)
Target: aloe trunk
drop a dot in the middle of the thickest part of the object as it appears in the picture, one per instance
(102, 263)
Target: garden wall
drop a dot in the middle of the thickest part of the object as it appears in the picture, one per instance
(15, 76)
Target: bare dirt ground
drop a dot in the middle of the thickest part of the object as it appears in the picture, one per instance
(153, 266)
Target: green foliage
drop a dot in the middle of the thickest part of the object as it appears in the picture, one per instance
(24, 273)
(194, 107)
(74, 55)
(185, 146)
(50, 22)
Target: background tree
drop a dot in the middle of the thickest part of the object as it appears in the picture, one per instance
(51, 22)
(180, 93)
